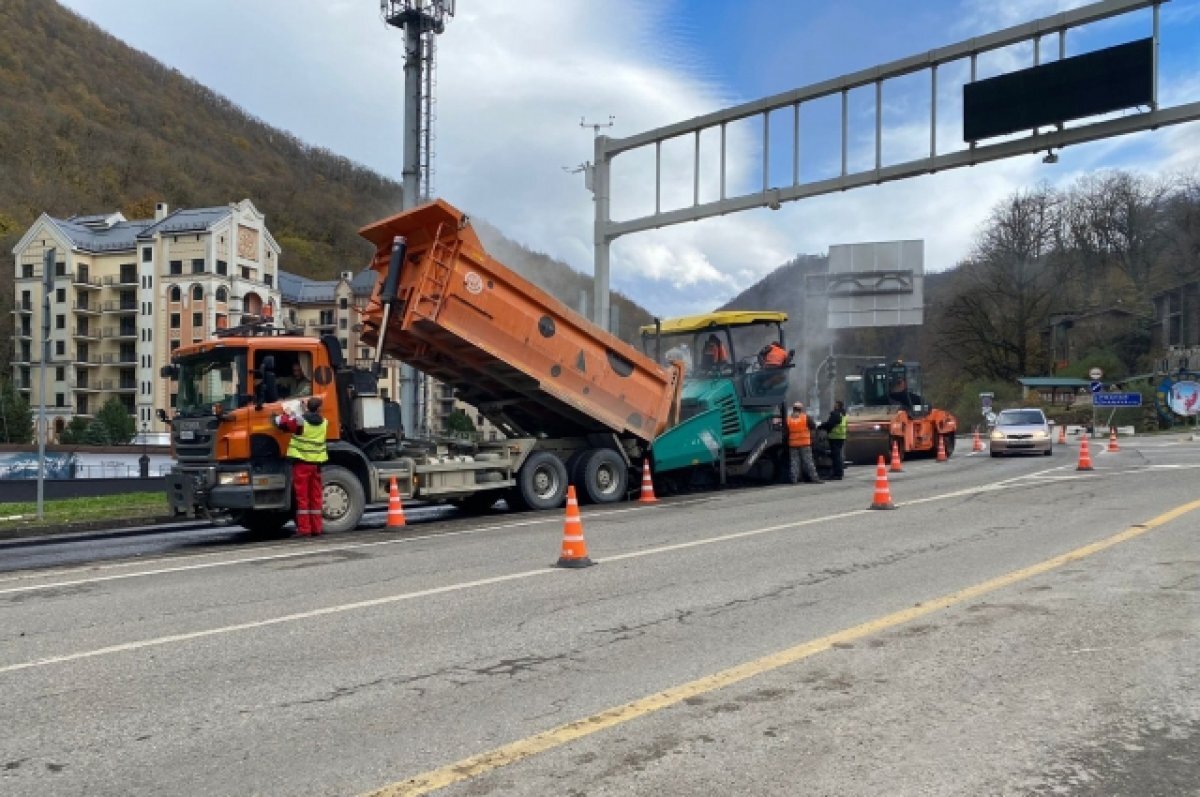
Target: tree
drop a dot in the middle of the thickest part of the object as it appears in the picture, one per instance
(1005, 293)
(75, 431)
(459, 421)
(16, 418)
(117, 423)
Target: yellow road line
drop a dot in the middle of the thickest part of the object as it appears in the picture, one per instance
(483, 763)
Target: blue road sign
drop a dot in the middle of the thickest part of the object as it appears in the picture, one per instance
(1117, 399)
(1096, 387)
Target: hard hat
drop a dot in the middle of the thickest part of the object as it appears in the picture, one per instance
(799, 405)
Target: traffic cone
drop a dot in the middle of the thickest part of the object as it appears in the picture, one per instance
(1062, 434)
(1085, 458)
(883, 495)
(647, 484)
(1112, 439)
(574, 549)
(941, 453)
(976, 444)
(395, 516)
(896, 468)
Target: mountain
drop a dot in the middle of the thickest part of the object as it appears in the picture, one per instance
(92, 125)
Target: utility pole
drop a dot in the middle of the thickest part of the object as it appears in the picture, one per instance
(597, 177)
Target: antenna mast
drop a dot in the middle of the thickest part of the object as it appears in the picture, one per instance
(421, 21)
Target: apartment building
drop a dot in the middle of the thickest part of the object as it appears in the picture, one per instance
(125, 293)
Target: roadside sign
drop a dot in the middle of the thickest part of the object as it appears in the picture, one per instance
(1095, 374)
(1096, 387)
(1117, 399)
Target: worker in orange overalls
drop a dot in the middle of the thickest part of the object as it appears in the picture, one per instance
(307, 450)
(800, 458)
(773, 355)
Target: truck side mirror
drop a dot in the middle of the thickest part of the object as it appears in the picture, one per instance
(169, 372)
(162, 416)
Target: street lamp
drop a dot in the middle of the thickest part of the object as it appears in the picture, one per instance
(144, 459)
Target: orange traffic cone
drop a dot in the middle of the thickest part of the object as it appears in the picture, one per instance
(896, 468)
(1112, 439)
(1062, 434)
(883, 495)
(941, 453)
(574, 549)
(1085, 458)
(647, 484)
(976, 444)
(395, 516)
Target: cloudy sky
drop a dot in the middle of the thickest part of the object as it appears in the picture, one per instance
(516, 78)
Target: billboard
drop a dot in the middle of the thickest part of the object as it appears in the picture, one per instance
(876, 284)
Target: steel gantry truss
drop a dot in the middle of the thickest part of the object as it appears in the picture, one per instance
(772, 196)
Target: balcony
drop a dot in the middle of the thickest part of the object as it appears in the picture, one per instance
(28, 274)
(85, 333)
(23, 308)
(119, 386)
(79, 280)
(120, 306)
(321, 324)
(87, 361)
(123, 358)
(85, 308)
(86, 387)
(23, 332)
(121, 280)
(119, 333)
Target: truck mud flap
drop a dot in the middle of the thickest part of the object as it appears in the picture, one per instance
(181, 493)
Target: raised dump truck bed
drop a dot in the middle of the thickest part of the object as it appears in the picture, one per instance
(530, 364)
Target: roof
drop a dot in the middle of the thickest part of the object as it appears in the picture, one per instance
(721, 318)
(302, 290)
(111, 232)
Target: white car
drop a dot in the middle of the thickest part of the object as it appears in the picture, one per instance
(1021, 431)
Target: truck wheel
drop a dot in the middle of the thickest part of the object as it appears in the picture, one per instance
(343, 500)
(264, 523)
(543, 481)
(604, 475)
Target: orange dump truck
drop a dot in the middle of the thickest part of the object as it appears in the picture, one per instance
(576, 404)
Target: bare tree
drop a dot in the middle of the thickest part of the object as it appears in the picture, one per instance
(1005, 293)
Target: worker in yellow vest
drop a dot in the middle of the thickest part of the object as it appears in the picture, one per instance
(307, 450)
(836, 427)
(800, 459)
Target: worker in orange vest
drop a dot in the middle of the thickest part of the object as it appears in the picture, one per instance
(800, 458)
(714, 354)
(773, 355)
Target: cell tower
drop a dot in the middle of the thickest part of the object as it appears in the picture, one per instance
(422, 21)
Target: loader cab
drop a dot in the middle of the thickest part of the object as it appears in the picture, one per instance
(894, 385)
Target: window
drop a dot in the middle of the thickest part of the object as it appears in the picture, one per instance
(344, 303)
(197, 265)
(245, 273)
(345, 344)
(60, 270)
(197, 293)
(60, 295)
(269, 279)
(60, 373)
(342, 324)
(27, 270)
(174, 346)
(364, 354)
(197, 320)
(174, 320)
(60, 348)
(174, 293)
(147, 254)
(60, 322)
(222, 294)
(60, 400)
(176, 267)
(222, 267)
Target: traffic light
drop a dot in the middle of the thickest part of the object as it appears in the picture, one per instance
(831, 367)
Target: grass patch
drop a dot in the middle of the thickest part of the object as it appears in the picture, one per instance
(66, 511)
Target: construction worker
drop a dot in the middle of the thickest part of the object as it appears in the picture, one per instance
(714, 353)
(835, 427)
(307, 450)
(800, 457)
(773, 355)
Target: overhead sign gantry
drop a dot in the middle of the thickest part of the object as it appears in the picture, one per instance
(1064, 90)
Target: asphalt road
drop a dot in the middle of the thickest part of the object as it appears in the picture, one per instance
(1014, 626)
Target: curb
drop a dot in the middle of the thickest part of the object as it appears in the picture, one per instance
(83, 531)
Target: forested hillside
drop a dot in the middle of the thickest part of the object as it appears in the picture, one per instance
(90, 124)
